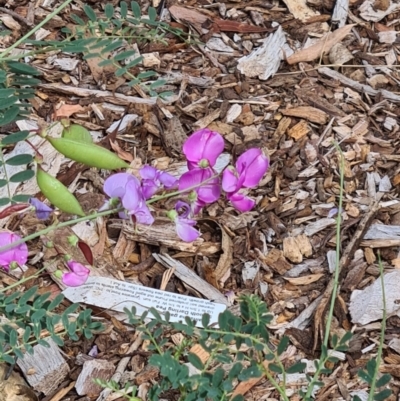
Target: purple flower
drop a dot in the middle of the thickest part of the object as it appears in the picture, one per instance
(127, 190)
(42, 210)
(184, 226)
(16, 255)
(153, 179)
(250, 168)
(208, 192)
(77, 275)
(202, 148)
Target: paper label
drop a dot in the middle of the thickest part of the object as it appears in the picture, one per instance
(116, 295)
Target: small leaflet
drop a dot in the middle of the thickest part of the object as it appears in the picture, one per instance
(116, 295)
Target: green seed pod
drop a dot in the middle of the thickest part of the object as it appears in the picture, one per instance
(76, 132)
(90, 154)
(57, 193)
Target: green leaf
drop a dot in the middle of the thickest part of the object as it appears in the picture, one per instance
(4, 201)
(124, 9)
(205, 320)
(120, 71)
(113, 46)
(124, 55)
(383, 395)
(146, 74)
(9, 116)
(296, 368)
(3, 182)
(13, 338)
(8, 359)
(383, 380)
(152, 12)
(77, 19)
(195, 361)
(55, 302)
(104, 63)
(15, 137)
(158, 83)
(109, 10)
(136, 9)
(43, 343)
(275, 368)
(90, 13)
(282, 345)
(58, 340)
(371, 367)
(38, 315)
(27, 295)
(22, 176)
(19, 160)
(91, 55)
(21, 68)
(21, 198)
(7, 102)
(18, 353)
(6, 92)
(364, 376)
(27, 334)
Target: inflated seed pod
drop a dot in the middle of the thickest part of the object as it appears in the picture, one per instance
(57, 193)
(77, 133)
(90, 154)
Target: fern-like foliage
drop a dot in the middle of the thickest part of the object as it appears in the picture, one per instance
(24, 316)
(107, 36)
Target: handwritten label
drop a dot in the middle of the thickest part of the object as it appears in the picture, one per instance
(116, 295)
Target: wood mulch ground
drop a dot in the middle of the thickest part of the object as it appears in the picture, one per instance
(290, 77)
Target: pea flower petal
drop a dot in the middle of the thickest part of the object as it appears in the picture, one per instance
(77, 275)
(252, 165)
(41, 209)
(208, 192)
(203, 145)
(153, 179)
(241, 202)
(17, 254)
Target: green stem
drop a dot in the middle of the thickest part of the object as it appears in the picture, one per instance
(59, 225)
(383, 329)
(36, 28)
(22, 280)
(322, 362)
(337, 261)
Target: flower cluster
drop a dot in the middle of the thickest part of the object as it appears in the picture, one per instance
(199, 186)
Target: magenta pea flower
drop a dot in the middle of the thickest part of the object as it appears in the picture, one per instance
(250, 168)
(77, 275)
(153, 180)
(41, 209)
(202, 148)
(125, 189)
(200, 181)
(17, 255)
(184, 226)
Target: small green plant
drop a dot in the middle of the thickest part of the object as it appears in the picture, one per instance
(129, 392)
(237, 351)
(370, 375)
(24, 316)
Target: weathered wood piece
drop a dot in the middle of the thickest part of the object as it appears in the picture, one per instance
(93, 369)
(45, 369)
(190, 278)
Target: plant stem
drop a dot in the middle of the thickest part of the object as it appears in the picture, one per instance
(324, 358)
(381, 339)
(337, 261)
(22, 280)
(36, 28)
(59, 225)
